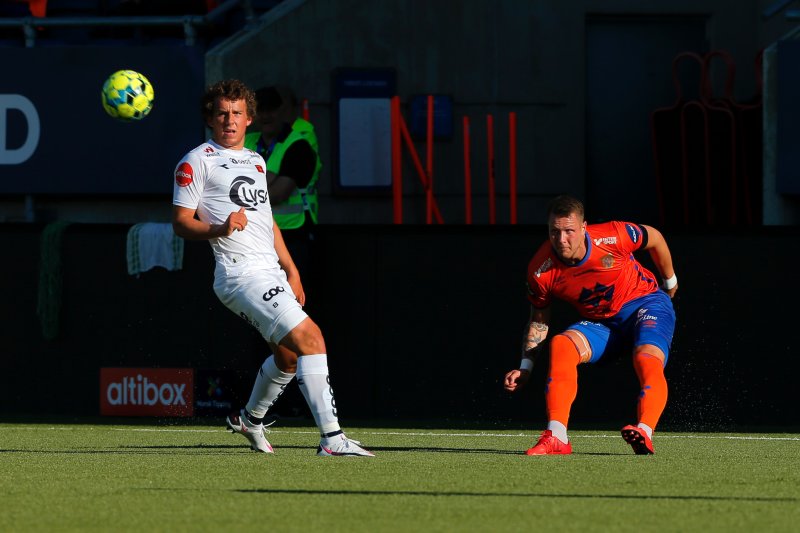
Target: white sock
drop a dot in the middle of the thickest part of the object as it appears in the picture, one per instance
(559, 430)
(270, 384)
(312, 376)
(647, 429)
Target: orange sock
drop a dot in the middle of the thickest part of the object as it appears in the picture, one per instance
(562, 383)
(653, 397)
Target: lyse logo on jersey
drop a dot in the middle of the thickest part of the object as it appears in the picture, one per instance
(244, 194)
(184, 174)
(147, 391)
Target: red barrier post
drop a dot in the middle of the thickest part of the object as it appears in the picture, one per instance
(490, 160)
(512, 163)
(429, 163)
(397, 163)
(418, 165)
(467, 174)
(305, 109)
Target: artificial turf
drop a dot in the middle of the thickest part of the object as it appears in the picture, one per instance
(135, 477)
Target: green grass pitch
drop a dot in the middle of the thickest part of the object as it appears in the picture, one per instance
(133, 477)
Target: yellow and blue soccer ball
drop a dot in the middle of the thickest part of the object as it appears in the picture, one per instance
(127, 95)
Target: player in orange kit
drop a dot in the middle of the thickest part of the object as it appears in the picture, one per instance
(593, 268)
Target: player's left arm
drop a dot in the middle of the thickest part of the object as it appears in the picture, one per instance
(287, 264)
(659, 251)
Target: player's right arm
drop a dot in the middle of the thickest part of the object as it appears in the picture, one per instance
(186, 225)
(187, 191)
(535, 334)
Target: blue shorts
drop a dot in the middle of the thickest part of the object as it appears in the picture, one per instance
(646, 320)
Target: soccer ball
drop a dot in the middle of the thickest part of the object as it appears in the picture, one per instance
(127, 95)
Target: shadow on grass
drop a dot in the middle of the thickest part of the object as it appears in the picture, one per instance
(405, 449)
(171, 449)
(426, 494)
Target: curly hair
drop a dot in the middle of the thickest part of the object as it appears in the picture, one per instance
(228, 90)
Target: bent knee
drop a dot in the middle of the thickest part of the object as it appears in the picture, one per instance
(305, 339)
(563, 347)
(573, 342)
(650, 350)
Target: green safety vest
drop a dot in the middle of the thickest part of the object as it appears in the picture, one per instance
(291, 214)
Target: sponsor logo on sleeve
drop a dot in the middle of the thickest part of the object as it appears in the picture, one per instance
(544, 267)
(184, 174)
(260, 169)
(633, 232)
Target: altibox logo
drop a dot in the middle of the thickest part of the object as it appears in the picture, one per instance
(147, 391)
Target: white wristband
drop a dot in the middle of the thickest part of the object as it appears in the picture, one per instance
(526, 364)
(670, 283)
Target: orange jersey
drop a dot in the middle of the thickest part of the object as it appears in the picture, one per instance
(599, 285)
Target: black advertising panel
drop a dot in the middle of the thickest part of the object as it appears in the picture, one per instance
(55, 137)
(788, 156)
(362, 151)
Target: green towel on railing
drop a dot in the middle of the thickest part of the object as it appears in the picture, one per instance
(48, 308)
(152, 244)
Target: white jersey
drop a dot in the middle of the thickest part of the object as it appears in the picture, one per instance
(217, 181)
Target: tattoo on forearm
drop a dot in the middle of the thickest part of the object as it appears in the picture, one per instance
(536, 334)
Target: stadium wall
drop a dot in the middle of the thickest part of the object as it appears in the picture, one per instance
(536, 59)
(420, 322)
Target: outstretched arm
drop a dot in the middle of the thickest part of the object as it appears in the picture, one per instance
(535, 334)
(659, 252)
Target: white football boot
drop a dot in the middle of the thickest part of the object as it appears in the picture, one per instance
(254, 433)
(340, 446)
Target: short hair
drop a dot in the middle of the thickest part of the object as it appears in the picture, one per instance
(563, 206)
(228, 90)
(273, 97)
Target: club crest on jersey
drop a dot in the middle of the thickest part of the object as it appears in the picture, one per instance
(243, 194)
(184, 174)
(607, 261)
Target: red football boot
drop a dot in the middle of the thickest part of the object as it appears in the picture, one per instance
(549, 445)
(638, 439)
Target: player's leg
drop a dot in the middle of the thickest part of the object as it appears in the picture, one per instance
(653, 331)
(272, 379)
(313, 377)
(270, 383)
(567, 351)
(264, 300)
(648, 361)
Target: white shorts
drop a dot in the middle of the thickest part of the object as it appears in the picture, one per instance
(260, 295)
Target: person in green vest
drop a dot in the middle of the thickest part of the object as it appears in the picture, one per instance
(289, 146)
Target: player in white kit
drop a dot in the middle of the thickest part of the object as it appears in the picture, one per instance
(220, 195)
